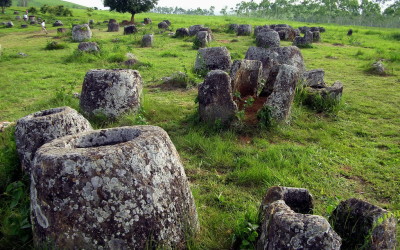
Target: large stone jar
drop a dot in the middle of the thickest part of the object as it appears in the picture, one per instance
(119, 188)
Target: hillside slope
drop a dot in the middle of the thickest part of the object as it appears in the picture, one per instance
(39, 3)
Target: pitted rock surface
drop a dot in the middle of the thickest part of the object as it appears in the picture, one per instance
(233, 27)
(203, 38)
(314, 78)
(182, 32)
(216, 99)
(81, 33)
(88, 47)
(246, 77)
(113, 26)
(34, 130)
(244, 30)
(57, 23)
(111, 92)
(213, 58)
(163, 25)
(281, 99)
(61, 30)
(333, 92)
(267, 38)
(119, 188)
(194, 29)
(299, 200)
(356, 221)
(9, 24)
(148, 40)
(167, 22)
(316, 36)
(275, 56)
(147, 20)
(257, 29)
(282, 228)
(130, 29)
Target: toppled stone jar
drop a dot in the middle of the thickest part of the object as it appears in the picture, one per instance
(119, 188)
(34, 130)
(110, 93)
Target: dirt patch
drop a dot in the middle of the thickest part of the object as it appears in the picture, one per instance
(223, 41)
(251, 110)
(338, 44)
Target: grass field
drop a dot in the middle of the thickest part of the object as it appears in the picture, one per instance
(354, 152)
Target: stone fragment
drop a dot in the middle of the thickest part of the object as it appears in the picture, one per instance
(316, 36)
(246, 77)
(118, 188)
(18, 18)
(378, 68)
(91, 22)
(88, 47)
(304, 41)
(314, 78)
(333, 92)
(194, 29)
(130, 29)
(9, 24)
(233, 27)
(350, 32)
(16, 12)
(244, 30)
(31, 18)
(24, 26)
(113, 26)
(282, 228)
(33, 22)
(147, 21)
(61, 30)
(34, 130)
(110, 93)
(281, 99)
(182, 32)
(267, 39)
(213, 58)
(167, 22)
(215, 98)
(148, 40)
(81, 33)
(363, 225)
(163, 25)
(58, 23)
(203, 38)
(5, 124)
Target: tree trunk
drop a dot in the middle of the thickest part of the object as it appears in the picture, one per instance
(133, 18)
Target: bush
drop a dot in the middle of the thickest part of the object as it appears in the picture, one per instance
(317, 101)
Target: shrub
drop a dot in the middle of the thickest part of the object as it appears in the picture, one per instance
(264, 116)
(316, 101)
(246, 232)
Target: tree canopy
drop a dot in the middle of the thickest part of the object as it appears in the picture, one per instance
(131, 6)
(4, 4)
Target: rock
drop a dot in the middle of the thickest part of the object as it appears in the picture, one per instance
(194, 29)
(363, 225)
(126, 23)
(130, 62)
(58, 23)
(274, 56)
(61, 30)
(16, 12)
(213, 58)
(316, 36)
(378, 68)
(282, 228)
(281, 99)
(5, 124)
(299, 200)
(34, 130)
(257, 29)
(233, 27)
(148, 40)
(33, 22)
(246, 77)
(168, 22)
(24, 26)
(350, 32)
(244, 30)
(304, 41)
(118, 188)
(88, 47)
(163, 25)
(18, 18)
(297, 32)
(147, 20)
(21, 54)
(203, 38)
(215, 98)
(304, 29)
(177, 79)
(31, 18)
(105, 21)
(9, 24)
(182, 32)
(110, 93)
(81, 33)
(286, 33)
(322, 29)
(131, 29)
(267, 39)
(314, 78)
(91, 22)
(282, 26)
(113, 26)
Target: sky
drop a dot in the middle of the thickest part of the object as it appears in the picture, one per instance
(186, 4)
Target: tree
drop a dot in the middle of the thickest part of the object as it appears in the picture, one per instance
(131, 6)
(4, 4)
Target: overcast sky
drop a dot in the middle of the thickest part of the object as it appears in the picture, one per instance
(186, 4)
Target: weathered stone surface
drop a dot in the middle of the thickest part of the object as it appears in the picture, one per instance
(203, 38)
(267, 39)
(314, 78)
(257, 29)
(111, 92)
(274, 56)
(358, 223)
(244, 30)
(194, 29)
(246, 77)
(182, 32)
(378, 68)
(147, 20)
(9, 24)
(34, 130)
(233, 27)
(281, 99)
(216, 99)
(113, 26)
(58, 23)
(16, 12)
(350, 32)
(213, 58)
(163, 25)
(81, 33)
(167, 22)
(299, 200)
(304, 41)
(91, 22)
(31, 18)
(130, 29)
(282, 228)
(316, 36)
(32, 22)
(148, 40)
(333, 92)
(18, 18)
(88, 47)
(24, 26)
(119, 188)
(286, 33)
(61, 30)
(5, 124)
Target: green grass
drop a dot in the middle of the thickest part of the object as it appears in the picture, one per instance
(354, 153)
(40, 3)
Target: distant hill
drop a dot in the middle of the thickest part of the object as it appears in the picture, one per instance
(40, 3)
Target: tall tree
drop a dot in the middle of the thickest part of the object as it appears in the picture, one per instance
(4, 4)
(131, 6)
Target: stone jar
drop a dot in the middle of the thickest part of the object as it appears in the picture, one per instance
(119, 188)
(81, 33)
